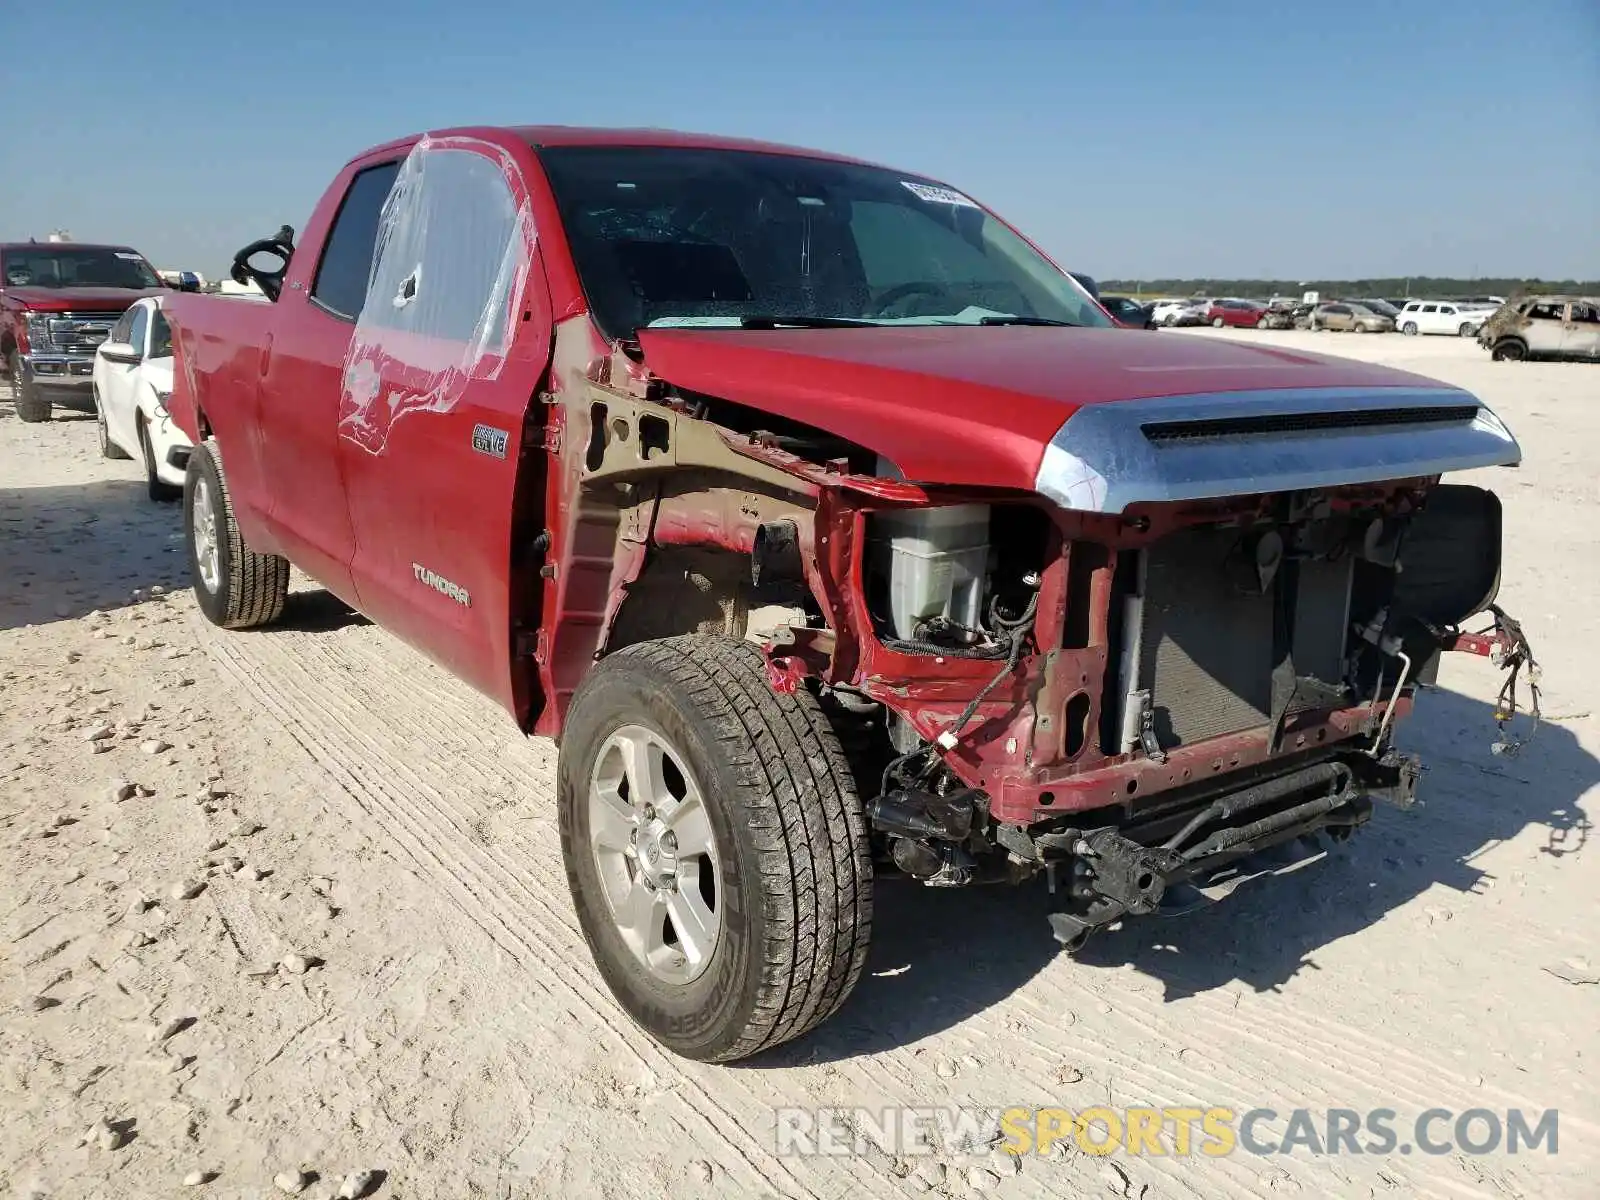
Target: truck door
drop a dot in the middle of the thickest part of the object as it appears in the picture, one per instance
(449, 350)
(302, 373)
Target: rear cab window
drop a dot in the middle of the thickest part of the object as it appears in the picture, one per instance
(340, 285)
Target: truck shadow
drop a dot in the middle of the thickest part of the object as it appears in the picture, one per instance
(67, 550)
(941, 956)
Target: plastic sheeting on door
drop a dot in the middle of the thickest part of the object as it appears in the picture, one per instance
(453, 251)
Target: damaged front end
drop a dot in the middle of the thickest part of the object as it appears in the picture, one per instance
(1148, 692)
(1148, 680)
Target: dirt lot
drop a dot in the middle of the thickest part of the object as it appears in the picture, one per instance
(321, 791)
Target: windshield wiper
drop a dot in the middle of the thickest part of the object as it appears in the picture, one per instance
(1016, 320)
(803, 322)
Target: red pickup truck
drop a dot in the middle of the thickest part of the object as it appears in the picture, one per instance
(58, 302)
(834, 532)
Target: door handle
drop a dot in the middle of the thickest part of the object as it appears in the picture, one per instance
(266, 355)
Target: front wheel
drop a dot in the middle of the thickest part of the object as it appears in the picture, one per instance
(1217, 323)
(1509, 352)
(108, 448)
(1409, 329)
(1467, 329)
(236, 587)
(715, 847)
(32, 407)
(158, 490)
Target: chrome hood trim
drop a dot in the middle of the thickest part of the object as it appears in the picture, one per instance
(1108, 456)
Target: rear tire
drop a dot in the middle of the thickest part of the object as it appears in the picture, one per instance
(159, 491)
(791, 903)
(236, 587)
(108, 448)
(32, 408)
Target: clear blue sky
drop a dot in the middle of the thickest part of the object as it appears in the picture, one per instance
(1212, 138)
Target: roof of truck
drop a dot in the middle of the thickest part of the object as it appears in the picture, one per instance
(578, 135)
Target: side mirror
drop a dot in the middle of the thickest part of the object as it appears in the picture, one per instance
(265, 263)
(120, 352)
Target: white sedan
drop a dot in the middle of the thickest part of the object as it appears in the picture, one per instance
(132, 383)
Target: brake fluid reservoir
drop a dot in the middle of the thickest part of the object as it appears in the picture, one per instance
(937, 561)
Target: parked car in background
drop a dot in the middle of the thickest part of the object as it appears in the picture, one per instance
(1442, 316)
(1181, 312)
(1280, 314)
(58, 301)
(1350, 317)
(132, 384)
(1544, 327)
(1378, 306)
(1128, 312)
(1241, 314)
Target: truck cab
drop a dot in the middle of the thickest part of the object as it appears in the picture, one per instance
(835, 533)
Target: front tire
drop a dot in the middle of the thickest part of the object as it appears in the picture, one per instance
(1217, 323)
(236, 587)
(32, 407)
(680, 750)
(1467, 329)
(108, 448)
(1409, 329)
(1509, 351)
(158, 490)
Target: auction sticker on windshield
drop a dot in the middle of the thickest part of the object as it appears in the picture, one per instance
(937, 195)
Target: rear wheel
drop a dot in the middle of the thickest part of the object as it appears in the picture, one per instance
(236, 587)
(1409, 329)
(1509, 351)
(158, 490)
(108, 448)
(32, 407)
(715, 847)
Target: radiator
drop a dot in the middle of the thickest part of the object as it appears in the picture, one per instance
(1205, 645)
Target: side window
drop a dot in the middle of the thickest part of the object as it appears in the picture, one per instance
(454, 246)
(160, 335)
(141, 321)
(1430, 308)
(1586, 314)
(341, 282)
(119, 331)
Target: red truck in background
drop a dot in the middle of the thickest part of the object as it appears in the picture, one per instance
(58, 302)
(580, 413)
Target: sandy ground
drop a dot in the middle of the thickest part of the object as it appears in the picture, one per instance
(321, 791)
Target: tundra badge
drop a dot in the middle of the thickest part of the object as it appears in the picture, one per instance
(486, 439)
(442, 585)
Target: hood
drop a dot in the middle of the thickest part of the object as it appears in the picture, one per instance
(976, 406)
(78, 299)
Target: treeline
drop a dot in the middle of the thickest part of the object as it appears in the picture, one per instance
(1420, 288)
